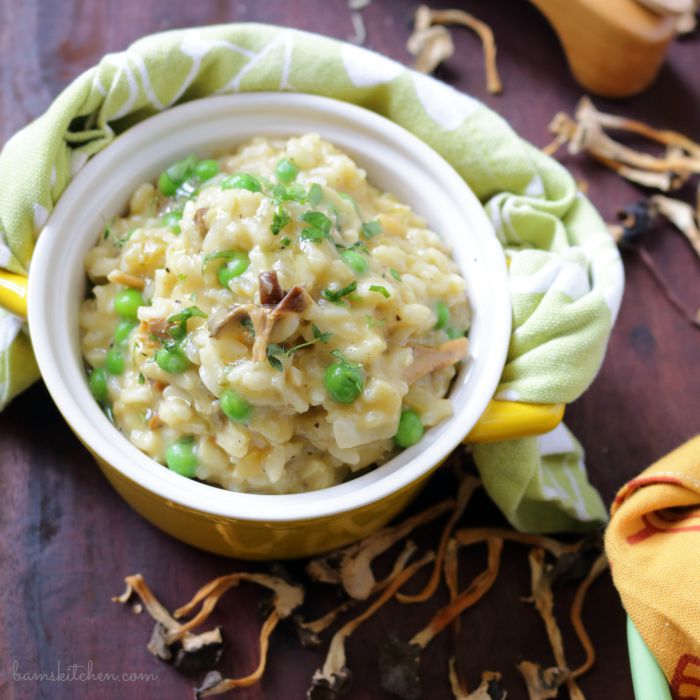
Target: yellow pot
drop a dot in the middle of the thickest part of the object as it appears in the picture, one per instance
(263, 526)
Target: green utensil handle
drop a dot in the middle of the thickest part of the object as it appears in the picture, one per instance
(647, 677)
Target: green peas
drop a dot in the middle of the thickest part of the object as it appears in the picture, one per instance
(123, 330)
(97, 381)
(166, 185)
(443, 315)
(114, 362)
(286, 171)
(127, 302)
(206, 169)
(234, 405)
(172, 221)
(180, 171)
(235, 267)
(453, 333)
(344, 382)
(171, 178)
(241, 181)
(410, 429)
(172, 359)
(180, 457)
(355, 261)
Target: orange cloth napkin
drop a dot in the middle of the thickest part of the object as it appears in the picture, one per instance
(653, 544)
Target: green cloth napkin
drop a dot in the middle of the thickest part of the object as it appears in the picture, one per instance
(566, 276)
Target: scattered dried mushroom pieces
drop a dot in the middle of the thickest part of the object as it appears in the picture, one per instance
(587, 132)
(333, 679)
(431, 43)
(352, 567)
(174, 642)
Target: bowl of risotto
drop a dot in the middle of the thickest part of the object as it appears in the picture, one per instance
(270, 317)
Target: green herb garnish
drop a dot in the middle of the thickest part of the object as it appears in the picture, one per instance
(371, 228)
(336, 295)
(275, 351)
(372, 322)
(279, 220)
(286, 242)
(395, 274)
(315, 195)
(380, 290)
(178, 328)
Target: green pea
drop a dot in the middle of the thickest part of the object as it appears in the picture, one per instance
(355, 261)
(123, 330)
(234, 405)
(114, 362)
(172, 220)
(344, 382)
(127, 302)
(235, 267)
(410, 429)
(172, 359)
(166, 185)
(443, 315)
(97, 381)
(453, 333)
(180, 457)
(206, 169)
(180, 171)
(241, 181)
(286, 171)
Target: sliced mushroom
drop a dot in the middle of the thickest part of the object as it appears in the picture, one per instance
(127, 279)
(263, 318)
(158, 327)
(271, 293)
(200, 221)
(427, 359)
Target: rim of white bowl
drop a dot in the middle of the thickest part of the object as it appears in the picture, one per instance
(53, 320)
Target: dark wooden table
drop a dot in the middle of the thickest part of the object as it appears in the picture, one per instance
(66, 539)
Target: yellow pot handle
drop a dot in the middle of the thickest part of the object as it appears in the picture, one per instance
(507, 420)
(502, 420)
(13, 293)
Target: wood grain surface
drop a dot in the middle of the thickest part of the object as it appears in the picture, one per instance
(66, 539)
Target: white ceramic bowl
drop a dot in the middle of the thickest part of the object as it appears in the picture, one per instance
(395, 161)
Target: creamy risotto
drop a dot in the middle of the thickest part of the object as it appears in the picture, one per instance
(270, 322)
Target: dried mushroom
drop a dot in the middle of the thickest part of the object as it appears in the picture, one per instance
(489, 689)
(542, 683)
(271, 293)
(352, 566)
(309, 631)
(262, 317)
(466, 488)
(215, 684)
(186, 652)
(427, 359)
(333, 678)
(586, 132)
(399, 661)
(428, 48)
(543, 600)
(599, 566)
(287, 597)
(552, 562)
(431, 45)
